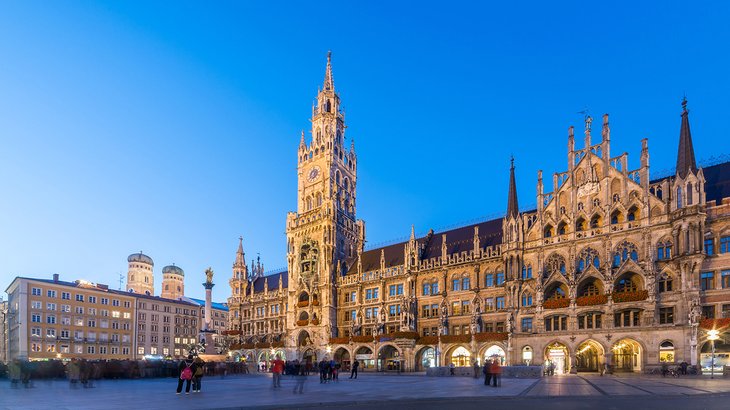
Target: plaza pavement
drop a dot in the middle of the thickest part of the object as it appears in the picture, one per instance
(370, 391)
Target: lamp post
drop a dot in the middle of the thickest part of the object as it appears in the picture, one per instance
(713, 335)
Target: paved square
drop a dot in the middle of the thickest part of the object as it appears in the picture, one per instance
(246, 391)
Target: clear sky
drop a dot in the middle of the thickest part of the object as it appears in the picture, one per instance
(172, 127)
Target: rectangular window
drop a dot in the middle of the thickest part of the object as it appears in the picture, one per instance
(455, 308)
(65, 296)
(35, 331)
(426, 309)
(399, 289)
(115, 302)
(392, 310)
(434, 288)
(500, 302)
(51, 319)
(725, 279)
(92, 299)
(488, 304)
(104, 301)
(79, 310)
(391, 290)
(79, 298)
(725, 244)
(51, 293)
(455, 284)
(489, 280)
(426, 289)
(36, 291)
(465, 284)
(50, 306)
(500, 327)
(489, 327)
(666, 315)
(500, 278)
(465, 307)
(726, 311)
(368, 294)
(66, 308)
(527, 324)
(706, 280)
(51, 332)
(36, 304)
(708, 312)
(709, 247)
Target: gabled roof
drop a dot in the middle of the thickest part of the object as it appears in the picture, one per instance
(258, 283)
(717, 182)
(457, 240)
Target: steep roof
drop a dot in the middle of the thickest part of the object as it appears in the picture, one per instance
(717, 182)
(457, 240)
(685, 153)
(258, 283)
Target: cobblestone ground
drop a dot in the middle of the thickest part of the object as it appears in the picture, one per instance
(412, 391)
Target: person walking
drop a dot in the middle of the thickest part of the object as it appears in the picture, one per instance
(487, 370)
(355, 366)
(300, 375)
(451, 369)
(73, 372)
(497, 373)
(475, 367)
(277, 368)
(198, 374)
(186, 374)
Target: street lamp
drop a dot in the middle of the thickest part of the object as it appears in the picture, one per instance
(713, 335)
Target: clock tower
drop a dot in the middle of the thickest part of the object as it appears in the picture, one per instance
(323, 235)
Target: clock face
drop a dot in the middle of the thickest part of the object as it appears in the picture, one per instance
(313, 174)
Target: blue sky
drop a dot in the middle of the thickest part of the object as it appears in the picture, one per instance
(172, 127)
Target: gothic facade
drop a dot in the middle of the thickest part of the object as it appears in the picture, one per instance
(613, 269)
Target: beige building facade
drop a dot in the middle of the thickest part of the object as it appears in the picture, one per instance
(614, 270)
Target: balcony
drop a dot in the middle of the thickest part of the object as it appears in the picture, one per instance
(591, 300)
(634, 296)
(556, 303)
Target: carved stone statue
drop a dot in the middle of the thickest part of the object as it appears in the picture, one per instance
(695, 312)
(209, 275)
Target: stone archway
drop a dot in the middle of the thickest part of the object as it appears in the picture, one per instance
(494, 352)
(557, 358)
(627, 356)
(309, 357)
(342, 356)
(459, 355)
(425, 358)
(365, 356)
(589, 356)
(389, 359)
(304, 339)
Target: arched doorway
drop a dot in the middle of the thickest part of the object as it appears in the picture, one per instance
(495, 352)
(627, 356)
(425, 358)
(309, 357)
(264, 358)
(722, 356)
(342, 356)
(557, 359)
(364, 355)
(588, 358)
(461, 357)
(389, 359)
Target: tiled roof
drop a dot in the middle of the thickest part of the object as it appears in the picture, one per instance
(457, 240)
(717, 181)
(214, 305)
(258, 283)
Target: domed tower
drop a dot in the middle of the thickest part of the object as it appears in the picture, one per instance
(173, 282)
(140, 278)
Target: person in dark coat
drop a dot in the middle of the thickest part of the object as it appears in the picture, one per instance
(355, 366)
(188, 363)
(487, 370)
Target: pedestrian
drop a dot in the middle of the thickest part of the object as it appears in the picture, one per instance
(683, 366)
(300, 375)
(497, 374)
(186, 374)
(451, 368)
(336, 372)
(355, 366)
(277, 367)
(487, 370)
(73, 372)
(322, 371)
(475, 366)
(198, 374)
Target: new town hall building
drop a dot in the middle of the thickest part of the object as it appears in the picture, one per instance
(612, 268)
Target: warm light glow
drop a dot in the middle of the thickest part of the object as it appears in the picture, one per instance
(713, 334)
(329, 349)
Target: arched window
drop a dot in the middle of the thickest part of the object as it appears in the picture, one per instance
(628, 283)
(561, 228)
(615, 198)
(527, 299)
(666, 352)
(556, 291)
(633, 214)
(319, 199)
(588, 257)
(689, 194)
(624, 251)
(554, 263)
(465, 284)
(548, 231)
(308, 203)
(664, 250)
(679, 197)
(596, 221)
(434, 288)
(526, 272)
(616, 217)
(580, 224)
(665, 282)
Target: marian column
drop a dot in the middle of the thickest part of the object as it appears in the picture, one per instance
(207, 331)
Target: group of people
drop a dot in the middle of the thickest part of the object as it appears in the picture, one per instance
(492, 371)
(192, 371)
(328, 370)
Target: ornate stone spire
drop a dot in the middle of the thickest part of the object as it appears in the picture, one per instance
(512, 207)
(329, 81)
(686, 153)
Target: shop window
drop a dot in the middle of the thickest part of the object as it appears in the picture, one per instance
(666, 352)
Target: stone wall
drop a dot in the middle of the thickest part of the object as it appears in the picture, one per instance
(521, 372)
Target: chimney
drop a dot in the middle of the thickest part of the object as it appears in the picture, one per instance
(55, 277)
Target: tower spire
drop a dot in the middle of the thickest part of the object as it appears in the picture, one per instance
(512, 207)
(686, 153)
(329, 82)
